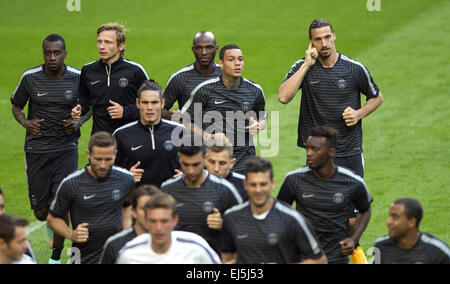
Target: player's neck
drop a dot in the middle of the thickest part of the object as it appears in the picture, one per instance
(329, 61)
(112, 60)
(231, 83)
(138, 229)
(409, 240)
(54, 74)
(4, 259)
(325, 172)
(163, 248)
(261, 210)
(205, 70)
(198, 182)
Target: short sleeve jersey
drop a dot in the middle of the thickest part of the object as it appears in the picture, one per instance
(326, 93)
(51, 100)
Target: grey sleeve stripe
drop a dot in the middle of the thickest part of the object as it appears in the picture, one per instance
(191, 98)
(31, 71)
(372, 87)
(185, 69)
(229, 185)
(170, 181)
(236, 208)
(437, 243)
(357, 177)
(138, 65)
(312, 241)
(73, 70)
(125, 126)
(292, 67)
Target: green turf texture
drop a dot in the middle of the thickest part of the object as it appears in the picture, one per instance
(404, 46)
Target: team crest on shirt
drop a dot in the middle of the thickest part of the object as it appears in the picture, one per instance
(273, 239)
(168, 145)
(245, 106)
(68, 94)
(338, 198)
(116, 195)
(342, 84)
(123, 82)
(208, 207)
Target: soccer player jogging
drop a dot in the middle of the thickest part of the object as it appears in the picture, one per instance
(13, 238)
(51, 142)
(405, 243)
(202, 198)
(109, 85)
(94, 197)
(324, 192)
(163, 245)
(230, 104)
(137, 198)
(264, 230)
(331, 84)
(145, 147)
(182, 83)
(219, 161)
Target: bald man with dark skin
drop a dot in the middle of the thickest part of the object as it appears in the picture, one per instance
(181, 84)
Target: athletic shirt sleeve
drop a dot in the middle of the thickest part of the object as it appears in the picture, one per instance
(64, 196)
(305, 239)
(227, 242)
(366, 84)
(260, 105)
(172, 92)
(286, 193)
(294, 68)
(83, 91)
(361, 197)
(21, 94)
(200, 97)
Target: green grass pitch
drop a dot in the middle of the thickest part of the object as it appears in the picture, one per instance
(404, 47)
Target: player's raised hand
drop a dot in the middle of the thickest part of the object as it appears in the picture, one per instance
(81, 233)
(311, 55)
(350, 116)
(115, 111)
(254, 126)
(76, 112)
(33, 126)
(214, 220)
(137, 173)
(178, 173)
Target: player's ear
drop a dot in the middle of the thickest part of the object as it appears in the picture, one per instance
(88, 154)
(332, 151)
(175, 220)
(233, 162)
(163, 103)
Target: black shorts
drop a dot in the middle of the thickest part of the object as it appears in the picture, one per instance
(44, 174)
(242, 154)
(353, 162)
(356, 164)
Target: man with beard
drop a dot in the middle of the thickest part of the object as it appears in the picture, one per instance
(94, 197)
(201, 197)
(182, 83)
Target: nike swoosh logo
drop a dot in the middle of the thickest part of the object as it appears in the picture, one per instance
(240, 237)
(40, 95)
(218, 103)
(308, 195)
(136, 148)
(88, 197)
(95, 82)
(315, 82)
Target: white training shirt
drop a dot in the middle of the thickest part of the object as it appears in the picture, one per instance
(186, 248)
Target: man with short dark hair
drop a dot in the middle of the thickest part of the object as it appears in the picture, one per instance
(230, 104)
(13, 238)
(109, 85)
(51, 142)
(182, 83)
(94, 197)
(324, 192)
(201, 197)
(405, 244)
(264, 230)
(145, 146)
(137, 198)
